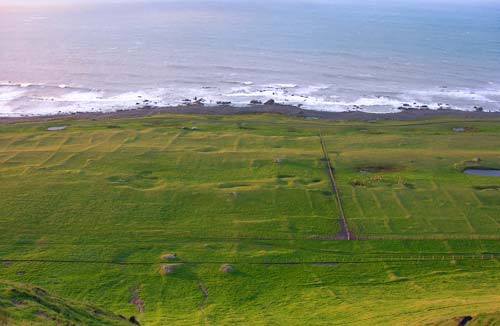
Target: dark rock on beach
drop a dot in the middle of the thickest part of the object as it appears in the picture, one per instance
(289, 110)
(407, 106)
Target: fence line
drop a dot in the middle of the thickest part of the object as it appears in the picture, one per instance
(335, 261)
(345, 232)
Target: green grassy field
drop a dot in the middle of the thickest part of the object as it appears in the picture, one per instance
(88, 212)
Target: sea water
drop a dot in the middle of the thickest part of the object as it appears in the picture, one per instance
(374, 56)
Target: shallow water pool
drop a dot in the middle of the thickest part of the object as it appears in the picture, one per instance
(483, 172)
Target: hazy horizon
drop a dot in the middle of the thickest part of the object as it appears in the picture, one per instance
(367, 2)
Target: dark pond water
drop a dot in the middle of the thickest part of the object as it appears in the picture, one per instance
(483, 172)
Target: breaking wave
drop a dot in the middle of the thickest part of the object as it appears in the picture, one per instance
(17, 99)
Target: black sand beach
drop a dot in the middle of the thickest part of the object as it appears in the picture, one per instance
(405, 115)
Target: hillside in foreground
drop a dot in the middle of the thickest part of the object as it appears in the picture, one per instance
(22, 304)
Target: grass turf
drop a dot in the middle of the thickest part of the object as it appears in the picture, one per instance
(87, 213)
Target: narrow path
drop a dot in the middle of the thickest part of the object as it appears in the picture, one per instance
(204, 292)
(345, 233)
(136, 299)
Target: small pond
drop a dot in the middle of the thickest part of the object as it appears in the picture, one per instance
(483, 171)
(56, 128)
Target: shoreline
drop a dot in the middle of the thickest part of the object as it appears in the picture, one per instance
(288, 110)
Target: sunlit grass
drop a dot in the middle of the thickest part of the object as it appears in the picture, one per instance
(88, 212)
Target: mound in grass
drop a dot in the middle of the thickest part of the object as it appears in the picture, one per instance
(168, 269)
(22, 304)
(226, 269)
(170, 256)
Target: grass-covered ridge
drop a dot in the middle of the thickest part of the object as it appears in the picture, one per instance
(22, 304)
(96, 212)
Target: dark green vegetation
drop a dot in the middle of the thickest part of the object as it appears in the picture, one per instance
(88, 213)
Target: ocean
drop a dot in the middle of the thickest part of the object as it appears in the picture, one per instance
(373, 56)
